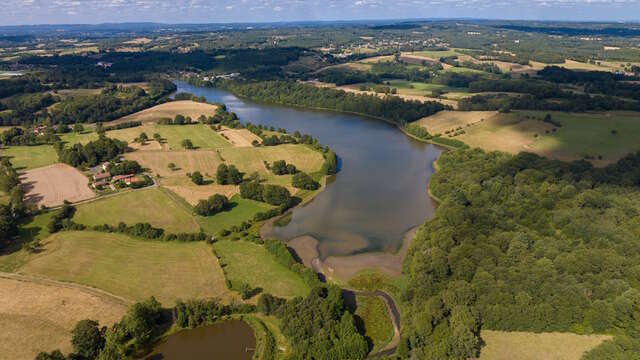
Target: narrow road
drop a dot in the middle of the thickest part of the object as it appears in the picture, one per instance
(394, 315)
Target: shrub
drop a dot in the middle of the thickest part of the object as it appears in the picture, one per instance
(228, 175)
(302, 180)
(197, 178)
(275, 195)
(213, 205)
(187, 144)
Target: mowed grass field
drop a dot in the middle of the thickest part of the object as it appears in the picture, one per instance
(243, 210)
(131, 268)
(39, 316)
(148, 205)
(590, 135)
(170, 110)
(502, 345)
(378, 328)
(186, 161)
(73, 138)
(449, 120)
(249, 160)
(34, 228)
(582, 135)
(30, 157)
(202, 136)
(246, 262)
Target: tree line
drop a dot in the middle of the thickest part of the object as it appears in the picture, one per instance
(390, 108)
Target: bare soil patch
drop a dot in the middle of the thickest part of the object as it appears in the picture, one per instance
(51, 185)
(38, 315)
(170, 109)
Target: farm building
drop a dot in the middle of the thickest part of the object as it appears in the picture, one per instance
(101, 176)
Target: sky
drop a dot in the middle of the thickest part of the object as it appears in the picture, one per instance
(21, 12)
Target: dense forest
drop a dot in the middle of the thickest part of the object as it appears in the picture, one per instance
(318, 326)
(521, 243)
(390, 108)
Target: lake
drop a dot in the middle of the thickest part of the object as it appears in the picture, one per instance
(233, 339)
(380, 191)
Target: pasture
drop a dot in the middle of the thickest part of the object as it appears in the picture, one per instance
(186, 161)
(146, 205)
(240, 137)
(602, 138)
(249, 160)
(372, 312)
(502, 345)
(30, 157)
(447, 120)
(187, 190)
(52, 185)
(246, 262)
(170, 109)
(78, 138)
(202, 136)
(243, 210)
(435, 54)
(131, 268)
(34, 228)
(610, 135)
(38, 315)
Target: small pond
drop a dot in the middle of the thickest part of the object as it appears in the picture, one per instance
(233, 339)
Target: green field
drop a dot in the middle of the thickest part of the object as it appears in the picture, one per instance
(464, 70)
(437, 54)
(243, 210)
(30, 157)
(246, 262)
(148, 205)
(375, 319)
(78, 138)
(133, 269)
(34, 228)
(422, 89)
(590, 135)
(200, 135)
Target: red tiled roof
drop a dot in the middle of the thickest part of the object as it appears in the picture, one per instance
(101, 176)
(122, 177)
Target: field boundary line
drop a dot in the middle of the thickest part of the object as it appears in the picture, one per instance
(103, 295)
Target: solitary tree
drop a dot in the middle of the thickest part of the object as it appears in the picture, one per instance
(87, 339)
(197, 178)
(187, 144)
(142, 138)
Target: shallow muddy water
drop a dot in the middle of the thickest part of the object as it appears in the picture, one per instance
(232, 339)
(380, 192)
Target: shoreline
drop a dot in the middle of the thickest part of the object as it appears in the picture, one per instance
(342, 268)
